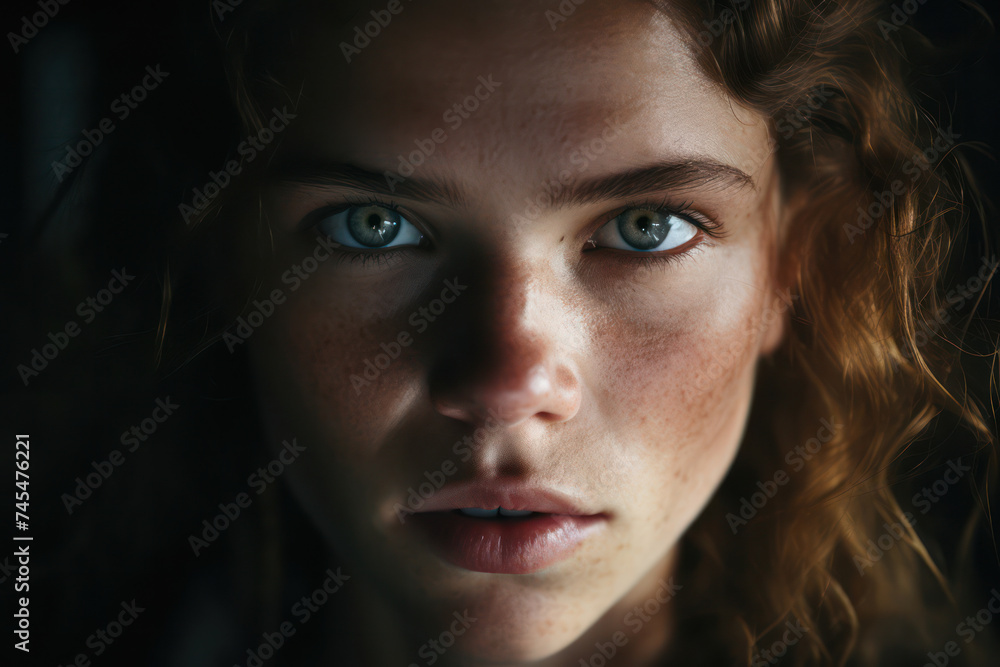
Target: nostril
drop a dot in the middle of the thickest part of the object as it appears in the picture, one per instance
(533, 394)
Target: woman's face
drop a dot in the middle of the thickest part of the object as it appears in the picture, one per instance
(564, 245)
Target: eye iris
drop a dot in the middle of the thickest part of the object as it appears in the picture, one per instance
(643, 229)
(373, 226)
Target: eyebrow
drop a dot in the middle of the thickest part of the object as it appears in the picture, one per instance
(657, 177)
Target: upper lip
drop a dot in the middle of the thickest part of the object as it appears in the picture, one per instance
(511, 495)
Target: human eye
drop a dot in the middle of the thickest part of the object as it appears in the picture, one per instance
(649, 229)
(368, 226)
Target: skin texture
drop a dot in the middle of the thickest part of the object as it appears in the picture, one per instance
(623, 383)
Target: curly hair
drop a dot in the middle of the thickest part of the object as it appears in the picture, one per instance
(879, 202)
(879, 206)
(808, 537)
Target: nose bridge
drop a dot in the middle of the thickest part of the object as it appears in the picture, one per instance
(513, 323)
(520, 347)
(510, 360)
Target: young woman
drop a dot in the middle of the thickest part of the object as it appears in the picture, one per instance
(570, 333)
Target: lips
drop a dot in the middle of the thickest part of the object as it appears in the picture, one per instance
(505, 544)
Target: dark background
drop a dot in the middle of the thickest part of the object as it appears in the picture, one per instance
(62, 83)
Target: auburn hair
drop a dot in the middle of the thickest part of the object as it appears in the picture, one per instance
(879, 217)
(877, 376)
(879, 206)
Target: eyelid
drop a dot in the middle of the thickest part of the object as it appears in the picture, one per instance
(711, 226)
(344, 202)
(333, 207)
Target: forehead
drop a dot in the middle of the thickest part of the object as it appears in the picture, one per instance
(558, 79)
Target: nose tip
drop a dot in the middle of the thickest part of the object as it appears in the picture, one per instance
(535, 391)
(506, 352)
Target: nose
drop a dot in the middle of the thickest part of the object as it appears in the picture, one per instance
(505, 355)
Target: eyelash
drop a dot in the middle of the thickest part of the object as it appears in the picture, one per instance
(710, 227)
(365, 258)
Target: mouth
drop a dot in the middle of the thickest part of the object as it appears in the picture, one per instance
(507, 529)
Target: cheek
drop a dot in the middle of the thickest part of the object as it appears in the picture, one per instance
(335, 363)
(304, 360)
(683, 374)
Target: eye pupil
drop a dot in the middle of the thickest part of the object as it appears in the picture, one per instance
(373, 226)
(643, 229)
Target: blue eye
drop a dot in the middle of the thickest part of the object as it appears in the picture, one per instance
(645, 230)
(371, 227)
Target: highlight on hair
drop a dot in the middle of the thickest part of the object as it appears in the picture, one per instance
(847, 129)
(878, 221)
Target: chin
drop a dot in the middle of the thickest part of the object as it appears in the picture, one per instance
(522, 643)
(513, 624)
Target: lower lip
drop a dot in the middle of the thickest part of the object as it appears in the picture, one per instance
(519, 545)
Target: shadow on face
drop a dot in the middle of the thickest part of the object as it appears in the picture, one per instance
(522, 255)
